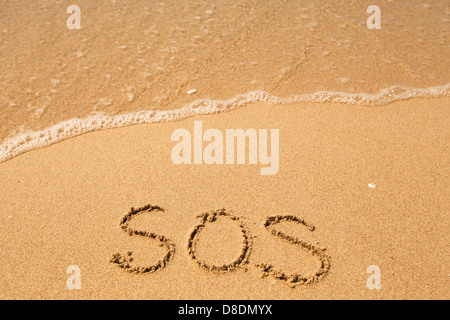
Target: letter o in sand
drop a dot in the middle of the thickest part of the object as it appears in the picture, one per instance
(211, 217)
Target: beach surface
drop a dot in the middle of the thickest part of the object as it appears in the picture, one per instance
(373, 181)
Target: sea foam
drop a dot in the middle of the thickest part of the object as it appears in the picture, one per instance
(27, 141)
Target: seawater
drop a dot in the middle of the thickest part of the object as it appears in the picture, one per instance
(136, 62)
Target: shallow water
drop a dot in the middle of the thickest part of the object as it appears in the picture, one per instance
(135, 62)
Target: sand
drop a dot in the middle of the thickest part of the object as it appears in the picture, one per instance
(65, 205)
(361, 184)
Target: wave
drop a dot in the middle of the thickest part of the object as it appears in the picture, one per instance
(27, 141)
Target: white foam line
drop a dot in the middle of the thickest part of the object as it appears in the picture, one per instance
(21, 143)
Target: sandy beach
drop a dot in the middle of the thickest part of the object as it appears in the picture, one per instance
(233, 149)
(369, 183)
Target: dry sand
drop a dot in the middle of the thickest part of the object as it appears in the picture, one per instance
(63, 205)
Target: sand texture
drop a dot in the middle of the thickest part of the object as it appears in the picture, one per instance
(138, 226)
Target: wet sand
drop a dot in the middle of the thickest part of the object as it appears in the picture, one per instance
(136, 55)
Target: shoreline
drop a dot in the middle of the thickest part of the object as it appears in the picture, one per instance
(30, 140)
